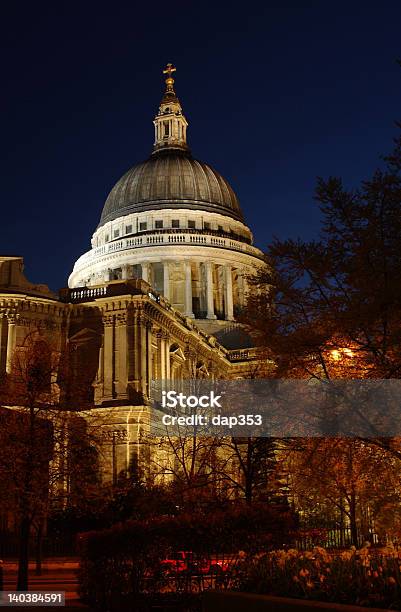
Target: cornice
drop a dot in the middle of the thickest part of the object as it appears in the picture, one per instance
(30, 304)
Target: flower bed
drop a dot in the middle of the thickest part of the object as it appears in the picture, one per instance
(365, 577)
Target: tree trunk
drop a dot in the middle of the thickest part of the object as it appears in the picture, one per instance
(38, 549)
(248, 489)
(352, 517)
(342, 539)
(23, 559)
(249, 472)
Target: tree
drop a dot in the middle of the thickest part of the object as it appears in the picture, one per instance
(27, 443)
(332, 308)
(251, 468)
(348, 481)
(185, 459)
(46, 450)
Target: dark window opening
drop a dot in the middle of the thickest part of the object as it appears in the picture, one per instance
(137, 271)
(196, 308)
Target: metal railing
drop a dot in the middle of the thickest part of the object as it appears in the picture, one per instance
(52, 546)
(332, 537)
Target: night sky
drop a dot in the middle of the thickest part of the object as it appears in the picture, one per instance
(276, 94)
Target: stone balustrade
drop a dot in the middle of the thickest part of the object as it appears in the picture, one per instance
(157, 238)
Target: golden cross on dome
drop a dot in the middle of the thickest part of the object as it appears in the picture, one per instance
(169, 70)
(169, 81)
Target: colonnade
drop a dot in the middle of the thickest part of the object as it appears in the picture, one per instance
(209, 285)
(133, 353)
(167, 128)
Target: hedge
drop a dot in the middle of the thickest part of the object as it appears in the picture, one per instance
(120, 566)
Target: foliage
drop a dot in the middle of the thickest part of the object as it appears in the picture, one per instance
(24, 486)
(331, 308)
(107, 505)
(256, 462)
(133, 500)
(126, 558)
(348, 481)
(27, 445)
(204, 469)
(46, 452)
(363, 577)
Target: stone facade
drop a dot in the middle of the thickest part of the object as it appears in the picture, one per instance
(165, 277)
(122, 336)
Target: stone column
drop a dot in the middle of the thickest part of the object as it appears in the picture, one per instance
(228, 294)
(108, 356)
(166, 280)
(209, 291)
(245, 285)
(11, 340)
(124, 271)
(162, 350)
(2, 347)
(121, 376)
(136, 352)
(144, 357)
(149, 357)
(146, 272)
(196, 274)
(131, 351)
(167, 349)
(188, 290)
(107, 275)
(241, 288)
(99, 375)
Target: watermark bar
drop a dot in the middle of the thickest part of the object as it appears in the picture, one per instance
(23, 599)
(276, 408)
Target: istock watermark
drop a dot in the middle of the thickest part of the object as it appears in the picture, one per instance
(172, 399)
(276, 408)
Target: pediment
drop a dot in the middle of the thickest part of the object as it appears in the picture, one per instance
(177, 353)
(202, 369)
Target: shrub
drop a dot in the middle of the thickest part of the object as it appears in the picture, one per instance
(121, 565)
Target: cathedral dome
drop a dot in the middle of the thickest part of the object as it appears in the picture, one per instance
(171, 178)
(176, 223)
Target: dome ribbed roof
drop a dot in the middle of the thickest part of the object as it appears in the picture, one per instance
(171, 179)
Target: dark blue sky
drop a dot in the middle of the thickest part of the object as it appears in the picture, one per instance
(275, 93)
